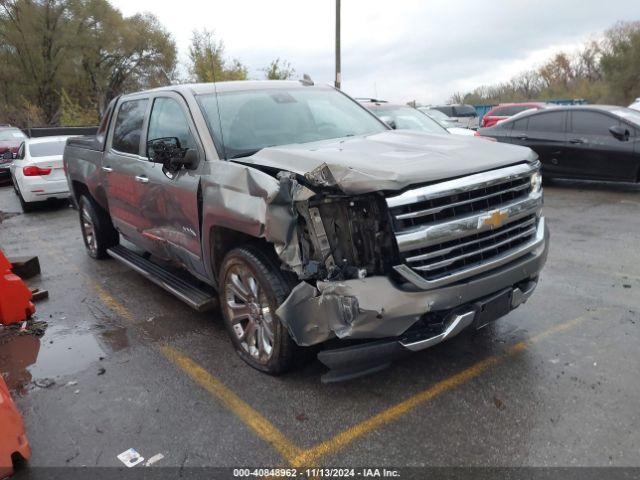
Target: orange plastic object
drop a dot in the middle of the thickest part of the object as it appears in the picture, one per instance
(12, 438)
(15, 297)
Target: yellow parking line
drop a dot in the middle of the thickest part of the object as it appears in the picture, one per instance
(341, 440)
(111, 302)
(250, 417)
(303, 458)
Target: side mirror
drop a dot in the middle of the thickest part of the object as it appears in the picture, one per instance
(389, 121)
(170, 154)
(190, 159)
(620, 133)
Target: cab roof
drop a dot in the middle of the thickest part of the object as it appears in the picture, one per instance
(233, 86)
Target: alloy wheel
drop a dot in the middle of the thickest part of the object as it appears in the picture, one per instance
(88, 232)
(249, 312)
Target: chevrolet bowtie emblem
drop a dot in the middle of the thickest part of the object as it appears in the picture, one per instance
(495, 218)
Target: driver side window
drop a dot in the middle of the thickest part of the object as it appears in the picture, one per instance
(168, 120)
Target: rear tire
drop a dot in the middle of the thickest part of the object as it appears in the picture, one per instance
(27, 207)
(252, 287)
(98, 233)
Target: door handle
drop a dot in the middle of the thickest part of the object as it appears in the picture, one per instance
(107, 169)
(577, 140)
(142, 179)
(523, 137)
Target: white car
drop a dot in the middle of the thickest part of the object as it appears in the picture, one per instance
(464, 116)
(461, 131)
(446, 122)
(37, 171)
(635, 105)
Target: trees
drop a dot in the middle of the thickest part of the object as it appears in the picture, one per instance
(84, 49)
(621, 62)
(602, 71)
(207, 62)
(33, 42)
(279, 71)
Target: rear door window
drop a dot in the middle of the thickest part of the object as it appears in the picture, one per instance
(521, 124)
(101, 134)
(552, 122)
(128, 127)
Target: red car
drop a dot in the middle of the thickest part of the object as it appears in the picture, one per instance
(10, 140)
(506, 110)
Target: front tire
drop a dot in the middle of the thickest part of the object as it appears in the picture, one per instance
(97, 230)
(252, 287)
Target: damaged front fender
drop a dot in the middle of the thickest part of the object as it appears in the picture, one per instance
(247, 200)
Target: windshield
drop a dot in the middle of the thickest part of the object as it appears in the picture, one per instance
(11, 134)
(407, 118)
(250, 120)
(630, 115)
(439, 117)
(47, 149)
(465, 111)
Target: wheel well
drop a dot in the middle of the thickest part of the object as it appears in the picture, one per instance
(223, 240)
(79, 189)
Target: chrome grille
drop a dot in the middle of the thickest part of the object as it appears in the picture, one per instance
(442, 208)
(462, 227)
(437, 260)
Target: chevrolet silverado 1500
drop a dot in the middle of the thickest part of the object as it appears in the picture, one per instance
(311, 218)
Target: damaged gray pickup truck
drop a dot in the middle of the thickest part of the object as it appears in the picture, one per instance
(312, 219)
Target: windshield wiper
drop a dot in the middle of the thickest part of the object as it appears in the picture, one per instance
(246, 153)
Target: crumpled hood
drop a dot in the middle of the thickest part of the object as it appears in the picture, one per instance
(390, 160)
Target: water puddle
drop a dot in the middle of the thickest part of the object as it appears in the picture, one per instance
(26, 359)
(7, 215)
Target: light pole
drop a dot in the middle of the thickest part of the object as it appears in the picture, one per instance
(338, 80)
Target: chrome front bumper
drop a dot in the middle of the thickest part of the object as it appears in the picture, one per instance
(366, 358)
(410, 275)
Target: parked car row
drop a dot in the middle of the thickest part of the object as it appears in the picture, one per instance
(581, 142)
(403, 117)
(596, 142)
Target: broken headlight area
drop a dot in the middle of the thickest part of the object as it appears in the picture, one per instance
(345, 237)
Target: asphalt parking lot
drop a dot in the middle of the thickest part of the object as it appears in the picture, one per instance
(552, 384)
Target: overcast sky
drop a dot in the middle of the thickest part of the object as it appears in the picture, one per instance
(396, 50)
